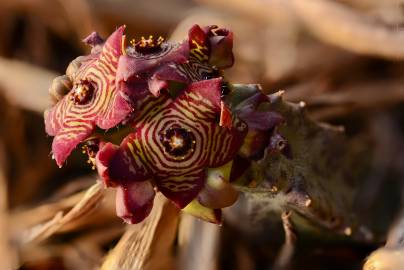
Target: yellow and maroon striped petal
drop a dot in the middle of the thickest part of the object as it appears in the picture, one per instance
(198, 44)
(182, 189)
(211, 44)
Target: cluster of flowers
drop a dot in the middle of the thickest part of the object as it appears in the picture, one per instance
(184, 135)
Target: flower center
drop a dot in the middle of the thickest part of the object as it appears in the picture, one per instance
(178, 142)
(147, 46)
(82, 93)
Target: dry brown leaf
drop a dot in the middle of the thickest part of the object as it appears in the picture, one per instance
(88, 203)
(147, 245)
(348, 29)
(25, 85)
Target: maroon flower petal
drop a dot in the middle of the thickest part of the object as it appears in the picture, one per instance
(212, 45)
(221, 46)
(134, 201)
(93, 39)
(161, 78)
(103, 158)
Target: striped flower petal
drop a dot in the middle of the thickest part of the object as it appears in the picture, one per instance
(93, 100)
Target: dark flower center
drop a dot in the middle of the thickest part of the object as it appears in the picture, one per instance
(178, 141)
(149, 45)
(82, 93)
(150, 48)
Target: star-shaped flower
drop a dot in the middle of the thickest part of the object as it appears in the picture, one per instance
(157, 65)
(176, 145)
(93, 99)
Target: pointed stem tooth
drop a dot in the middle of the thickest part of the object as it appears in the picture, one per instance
(348, 231)
(280, 93)
(307, 203)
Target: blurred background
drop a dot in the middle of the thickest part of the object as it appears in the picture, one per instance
(343, 58)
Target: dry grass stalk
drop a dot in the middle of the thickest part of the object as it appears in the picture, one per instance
(91, 199)
(199, 244)
(27, 218)
(7, 252)
(147, 245)
(345, 99)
